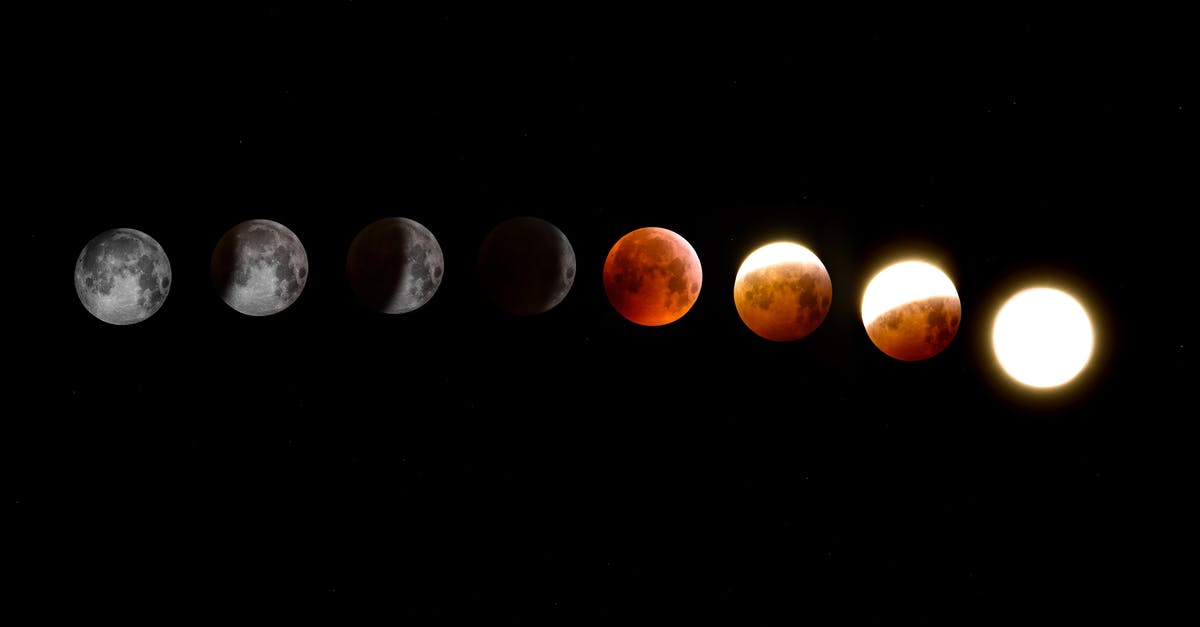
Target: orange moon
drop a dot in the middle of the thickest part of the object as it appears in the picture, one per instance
(782, 291)
(652, 276)
(911, 310)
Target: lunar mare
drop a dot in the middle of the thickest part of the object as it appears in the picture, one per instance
(394, 265)
(122, 276)
(911, 311)
(652, 276)
(259, 267)
(918, 329)
(782, 292)
(526, 266)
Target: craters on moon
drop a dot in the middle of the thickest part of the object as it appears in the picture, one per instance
(259, 267)
(395, 265)
(782, 292)
(122, 276)
(652, 276)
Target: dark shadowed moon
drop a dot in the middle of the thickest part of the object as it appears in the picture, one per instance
(526, 266)
(259, 267)
(652, 276)
(394, 265)
(782, 292)
(122, 276)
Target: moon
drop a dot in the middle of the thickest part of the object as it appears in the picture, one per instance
(782, 291)
(122, 276)
(1042, 337)
(911, 310)
(394, 265)
(652, 276)
(526, 266)
(259, 267)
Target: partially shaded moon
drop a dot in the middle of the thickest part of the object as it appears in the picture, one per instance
(394, 265)
(652, 276)
(911, 310)
(122, 276)
(782, 292)
(526, 266)
(259, 267)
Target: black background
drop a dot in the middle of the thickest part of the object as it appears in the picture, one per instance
(573, 466)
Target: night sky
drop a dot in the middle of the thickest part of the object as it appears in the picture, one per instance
(461, 462)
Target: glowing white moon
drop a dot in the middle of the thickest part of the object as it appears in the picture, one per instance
(903, 283)
(1042, 337)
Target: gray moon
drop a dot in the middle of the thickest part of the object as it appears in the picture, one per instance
(394, 265)
(259, 267)
(122, 276)
(526, 266)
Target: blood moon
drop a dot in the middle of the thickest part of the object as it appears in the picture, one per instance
(782, 291)
(911, 310)
(652, 276)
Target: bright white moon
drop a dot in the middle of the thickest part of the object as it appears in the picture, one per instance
(903, 283)
(1042, 337)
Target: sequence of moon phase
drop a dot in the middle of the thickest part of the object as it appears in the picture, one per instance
(652, 276)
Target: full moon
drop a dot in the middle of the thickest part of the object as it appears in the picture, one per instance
(259, 267)
(911, 310)
(526, 266)
(1042, 337)
(782, 291)
(394, 265)
(652, 276)
(122, 276)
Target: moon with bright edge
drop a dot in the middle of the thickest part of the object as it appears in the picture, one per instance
(395, 265)
(782, 291)
(1042, 337)
(122, 276)
(259, 267)
(911, 310)
(526, 266)
(652, 276)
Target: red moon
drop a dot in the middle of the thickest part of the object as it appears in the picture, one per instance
(652, 276)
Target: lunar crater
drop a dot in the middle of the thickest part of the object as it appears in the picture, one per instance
(122, 276)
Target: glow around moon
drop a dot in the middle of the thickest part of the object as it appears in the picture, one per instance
(122, 276)
(652, 276)
(911, 310)
(1043, 337)
(259, 267)
(782, 291)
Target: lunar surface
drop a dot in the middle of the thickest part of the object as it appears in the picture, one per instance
(911, 311)
(526, 266)
(1042, 337)
(259, 267)
(782, 292)
(395, 265)
(652, 276)
(122, 276)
